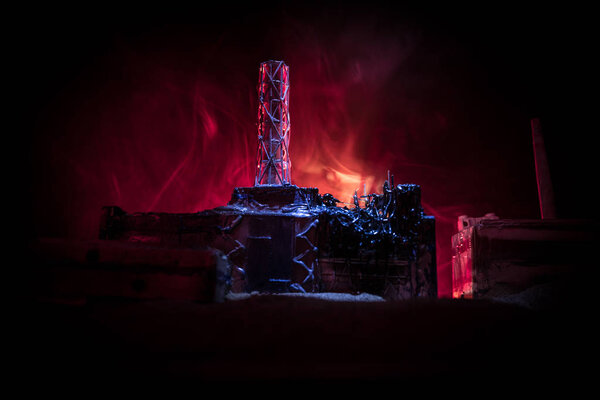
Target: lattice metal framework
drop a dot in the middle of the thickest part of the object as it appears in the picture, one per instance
(273, 160)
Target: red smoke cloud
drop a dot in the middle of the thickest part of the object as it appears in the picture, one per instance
(151, 126)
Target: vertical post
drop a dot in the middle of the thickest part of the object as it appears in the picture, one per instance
(273, 162)
(542, 172)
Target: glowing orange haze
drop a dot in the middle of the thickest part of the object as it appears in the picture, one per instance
(181, 141)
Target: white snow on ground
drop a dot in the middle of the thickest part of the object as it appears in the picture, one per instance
(322, 296)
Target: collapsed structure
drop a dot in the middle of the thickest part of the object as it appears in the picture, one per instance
(282, 239)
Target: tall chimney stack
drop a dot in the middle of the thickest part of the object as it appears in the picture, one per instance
(273, 166)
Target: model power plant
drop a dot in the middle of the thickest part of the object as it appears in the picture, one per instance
(273, 237)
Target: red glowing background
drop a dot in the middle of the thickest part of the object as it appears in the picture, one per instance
(157, 111)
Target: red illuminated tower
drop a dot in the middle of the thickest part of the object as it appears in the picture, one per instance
(273, 166)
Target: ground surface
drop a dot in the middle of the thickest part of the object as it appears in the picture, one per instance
(289, 339)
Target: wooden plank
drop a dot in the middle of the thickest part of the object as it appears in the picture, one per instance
(542, 172)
